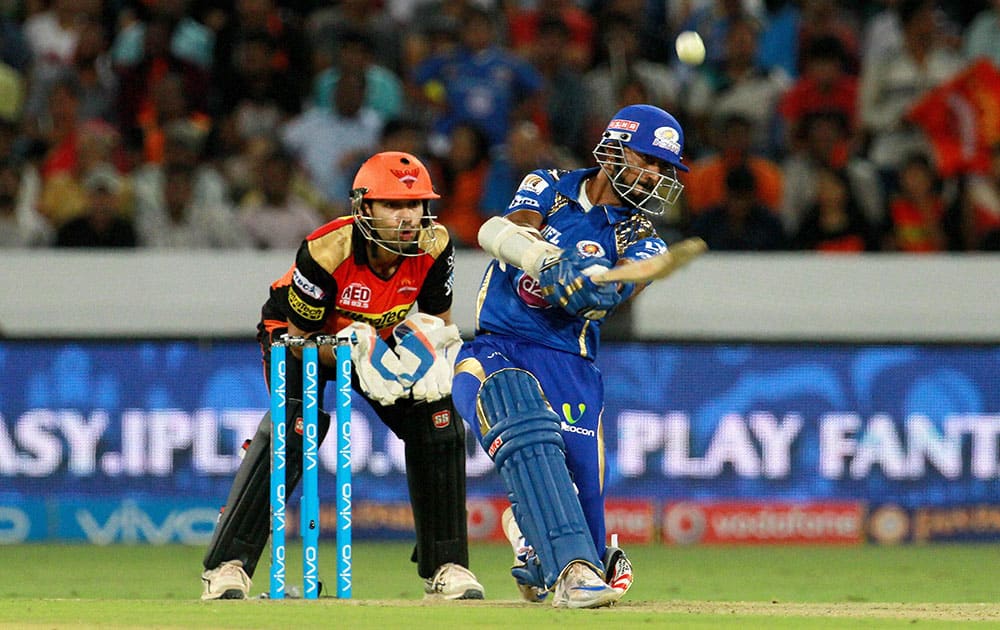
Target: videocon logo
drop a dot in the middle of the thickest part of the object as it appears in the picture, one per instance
(567, 412)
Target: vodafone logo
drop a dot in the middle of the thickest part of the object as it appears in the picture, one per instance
(684, 523)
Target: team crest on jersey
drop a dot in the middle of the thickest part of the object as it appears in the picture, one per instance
(357, 295)
(407, 176)
(441, 419)
(590, 248)
(667, 138)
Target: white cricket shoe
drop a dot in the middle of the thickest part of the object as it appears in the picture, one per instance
(522, 554)
(453, 581)
(580, 586)
(617, 570)
(227, 581)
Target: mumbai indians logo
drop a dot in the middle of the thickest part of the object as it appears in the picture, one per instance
(667, 138)
(590, 248)
(408, 177)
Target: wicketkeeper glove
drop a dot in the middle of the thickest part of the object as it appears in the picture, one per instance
(376, 365)
(567, 284)
(427, 349)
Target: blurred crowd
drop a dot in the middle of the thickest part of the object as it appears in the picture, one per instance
(241, 123)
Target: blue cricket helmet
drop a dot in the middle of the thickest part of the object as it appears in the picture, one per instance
(648, 130)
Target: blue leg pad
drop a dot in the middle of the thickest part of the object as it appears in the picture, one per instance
(526, 445)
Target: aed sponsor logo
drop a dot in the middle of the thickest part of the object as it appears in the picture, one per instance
(356, 294)
(520, 201)
(762, 522)
(312, 313)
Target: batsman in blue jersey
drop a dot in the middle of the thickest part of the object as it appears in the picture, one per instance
(527, 383)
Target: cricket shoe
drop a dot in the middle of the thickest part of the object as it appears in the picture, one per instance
(617, 570)
(227, 581)
(452, 581)
(527, 570)
(581, 586)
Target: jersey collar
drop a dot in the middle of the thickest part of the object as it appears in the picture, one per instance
(570, 185)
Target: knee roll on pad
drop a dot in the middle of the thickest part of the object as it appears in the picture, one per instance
(245, 524)
(526, 445)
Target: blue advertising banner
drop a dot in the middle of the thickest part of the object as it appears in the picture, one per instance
(117, 441)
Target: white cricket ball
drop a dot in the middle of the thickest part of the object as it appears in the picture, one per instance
(690, 48)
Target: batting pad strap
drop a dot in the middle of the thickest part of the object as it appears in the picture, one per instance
(526, 445)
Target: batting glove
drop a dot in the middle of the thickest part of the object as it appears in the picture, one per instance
(376, 365)
(567, 284)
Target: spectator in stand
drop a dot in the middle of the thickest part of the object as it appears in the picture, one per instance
(179, 220)
(919, 209)
(20, 223)
(981, 213)
(63, 195)
(882, 35)
(736, 86)
(383, 89)
(824, 86)
(526, 150)
(623, 62)
(90, 69)
(740, 222)
(835, 223)
(891, 85)
(825, 142)
(258, 97)
(183, 145)
(563, 89)
(102, 223)
(138, 83)
(713, 19)
(169, 105)
(290, 56)
(525, 31)
(52, 34)
(330, 26)
(822, 19)
(188, 39)
(329, 141)
(479, 83)
(982, 36)
(57, 126)
(462, 180)
(273, 215)
(433, 31)
(705, 183)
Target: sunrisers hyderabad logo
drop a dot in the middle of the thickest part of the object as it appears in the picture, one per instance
(408, 176)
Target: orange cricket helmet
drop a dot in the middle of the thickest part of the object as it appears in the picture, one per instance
(393, 175)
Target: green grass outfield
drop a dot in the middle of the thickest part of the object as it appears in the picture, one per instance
(939, 586)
